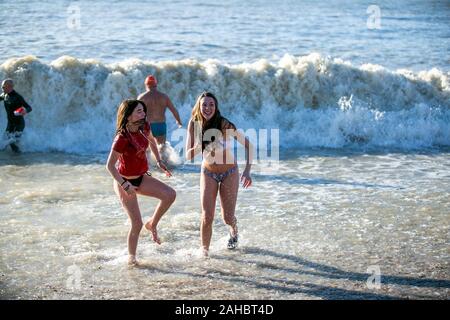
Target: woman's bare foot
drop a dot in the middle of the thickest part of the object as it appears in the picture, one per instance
(152, 229)
(205, 253)
(132, 262)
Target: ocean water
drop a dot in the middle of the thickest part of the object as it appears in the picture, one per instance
(361, 182)
(413, 34)
(318, 228)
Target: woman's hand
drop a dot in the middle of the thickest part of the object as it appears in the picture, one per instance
(129, 188)
(214, 153)
(163, 167)
(246, 179)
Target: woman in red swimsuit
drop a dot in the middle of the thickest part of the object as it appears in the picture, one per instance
(133, 137)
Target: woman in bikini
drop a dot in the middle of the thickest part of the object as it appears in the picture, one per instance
(133, 136)
(212, 135)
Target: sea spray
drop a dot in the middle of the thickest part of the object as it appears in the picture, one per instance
(75, 101)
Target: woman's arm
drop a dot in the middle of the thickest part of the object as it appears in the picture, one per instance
(249, 148)
(111, 167)
(249, 154)
(192, 147)
(243, 140)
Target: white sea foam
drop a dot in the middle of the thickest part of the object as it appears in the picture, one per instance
(313, 100)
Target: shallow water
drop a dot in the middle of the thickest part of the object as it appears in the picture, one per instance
(312, 229)
(315, 227)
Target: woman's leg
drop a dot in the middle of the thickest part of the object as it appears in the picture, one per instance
(208, 195)
(228, 196)
(130, 204)
(152, 187)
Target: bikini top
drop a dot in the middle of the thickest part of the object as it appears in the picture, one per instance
(225, 144)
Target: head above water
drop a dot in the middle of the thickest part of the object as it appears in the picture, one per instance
(206, 112)
(7, 85)
(151, 82)
(130, 112)
(206, 108)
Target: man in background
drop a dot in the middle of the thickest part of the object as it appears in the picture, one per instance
(156, 103)
(16, 107)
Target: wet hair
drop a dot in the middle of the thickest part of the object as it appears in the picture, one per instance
(126, 108)
(217, 121)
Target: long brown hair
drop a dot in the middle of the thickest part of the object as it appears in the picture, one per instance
(126, 108)
(216, 122)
